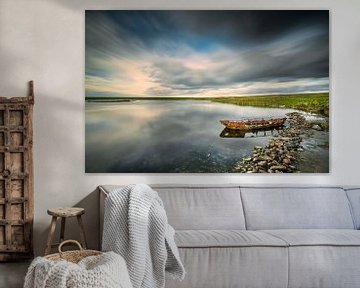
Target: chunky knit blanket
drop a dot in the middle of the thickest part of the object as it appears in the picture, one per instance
(136, 227)
(103, 271)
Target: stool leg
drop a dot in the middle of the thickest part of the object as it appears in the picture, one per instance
(51, 235)
(82, 232)
(62, 230)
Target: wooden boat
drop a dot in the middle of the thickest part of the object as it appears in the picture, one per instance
(253, 124)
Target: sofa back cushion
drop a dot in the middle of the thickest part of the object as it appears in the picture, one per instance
(296, 208)
(203, 208)
(354, 198)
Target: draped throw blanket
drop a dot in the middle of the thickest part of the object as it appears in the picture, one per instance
(103, 271)
(136, 227)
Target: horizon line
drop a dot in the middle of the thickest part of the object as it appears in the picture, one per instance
(232, 96)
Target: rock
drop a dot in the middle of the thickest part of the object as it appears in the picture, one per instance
(316, 127)
(265, 158)
(262, 163)
(278, 155)
(284, 138)
(286, 161)
(278, 167)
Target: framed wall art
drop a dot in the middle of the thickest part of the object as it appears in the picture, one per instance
(240, 91)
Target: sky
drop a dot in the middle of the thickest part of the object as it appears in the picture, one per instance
(149, 53)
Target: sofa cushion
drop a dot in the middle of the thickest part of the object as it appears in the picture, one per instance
(223, 267)
(192, 208)
(327, 258)
(315, 237)
(296, 208)
(226, 238)
(324, 266)
(354, 198)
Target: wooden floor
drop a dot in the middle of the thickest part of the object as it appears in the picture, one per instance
(12, 274)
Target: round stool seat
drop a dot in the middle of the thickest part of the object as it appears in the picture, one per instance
(66, 211)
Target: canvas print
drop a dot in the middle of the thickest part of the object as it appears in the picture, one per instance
(235, 91)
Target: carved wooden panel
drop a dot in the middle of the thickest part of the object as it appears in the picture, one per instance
(16, 177)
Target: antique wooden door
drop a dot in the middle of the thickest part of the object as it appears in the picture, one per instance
(16, 177)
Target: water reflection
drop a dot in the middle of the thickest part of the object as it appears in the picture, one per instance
(166, 136)
(231, 133)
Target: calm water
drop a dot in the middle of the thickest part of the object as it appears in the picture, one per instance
(167, 136)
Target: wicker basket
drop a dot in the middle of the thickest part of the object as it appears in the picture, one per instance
(72, 256)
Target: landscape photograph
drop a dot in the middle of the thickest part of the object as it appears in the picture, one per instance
(207, 91)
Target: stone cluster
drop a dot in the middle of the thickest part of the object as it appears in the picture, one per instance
(279, 156)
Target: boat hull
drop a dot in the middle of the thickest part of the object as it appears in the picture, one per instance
(257, 124)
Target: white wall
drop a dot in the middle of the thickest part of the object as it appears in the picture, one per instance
(43, 40)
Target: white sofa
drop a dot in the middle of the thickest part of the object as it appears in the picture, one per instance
(242, 236)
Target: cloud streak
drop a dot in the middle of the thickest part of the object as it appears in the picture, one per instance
(206, 53)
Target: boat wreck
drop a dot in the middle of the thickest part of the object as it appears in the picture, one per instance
(253, 124)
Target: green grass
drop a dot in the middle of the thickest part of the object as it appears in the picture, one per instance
(314, 103)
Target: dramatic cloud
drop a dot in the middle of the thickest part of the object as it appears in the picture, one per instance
(206, 53)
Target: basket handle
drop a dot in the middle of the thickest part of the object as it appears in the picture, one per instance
(69, 241)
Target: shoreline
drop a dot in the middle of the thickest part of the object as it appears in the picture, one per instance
(308, 102)
(284, 153)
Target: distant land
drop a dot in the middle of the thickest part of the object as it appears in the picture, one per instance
(310, 102)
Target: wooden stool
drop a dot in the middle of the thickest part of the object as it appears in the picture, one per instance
(64, 213)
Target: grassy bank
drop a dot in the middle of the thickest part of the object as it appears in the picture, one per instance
(314, 103)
